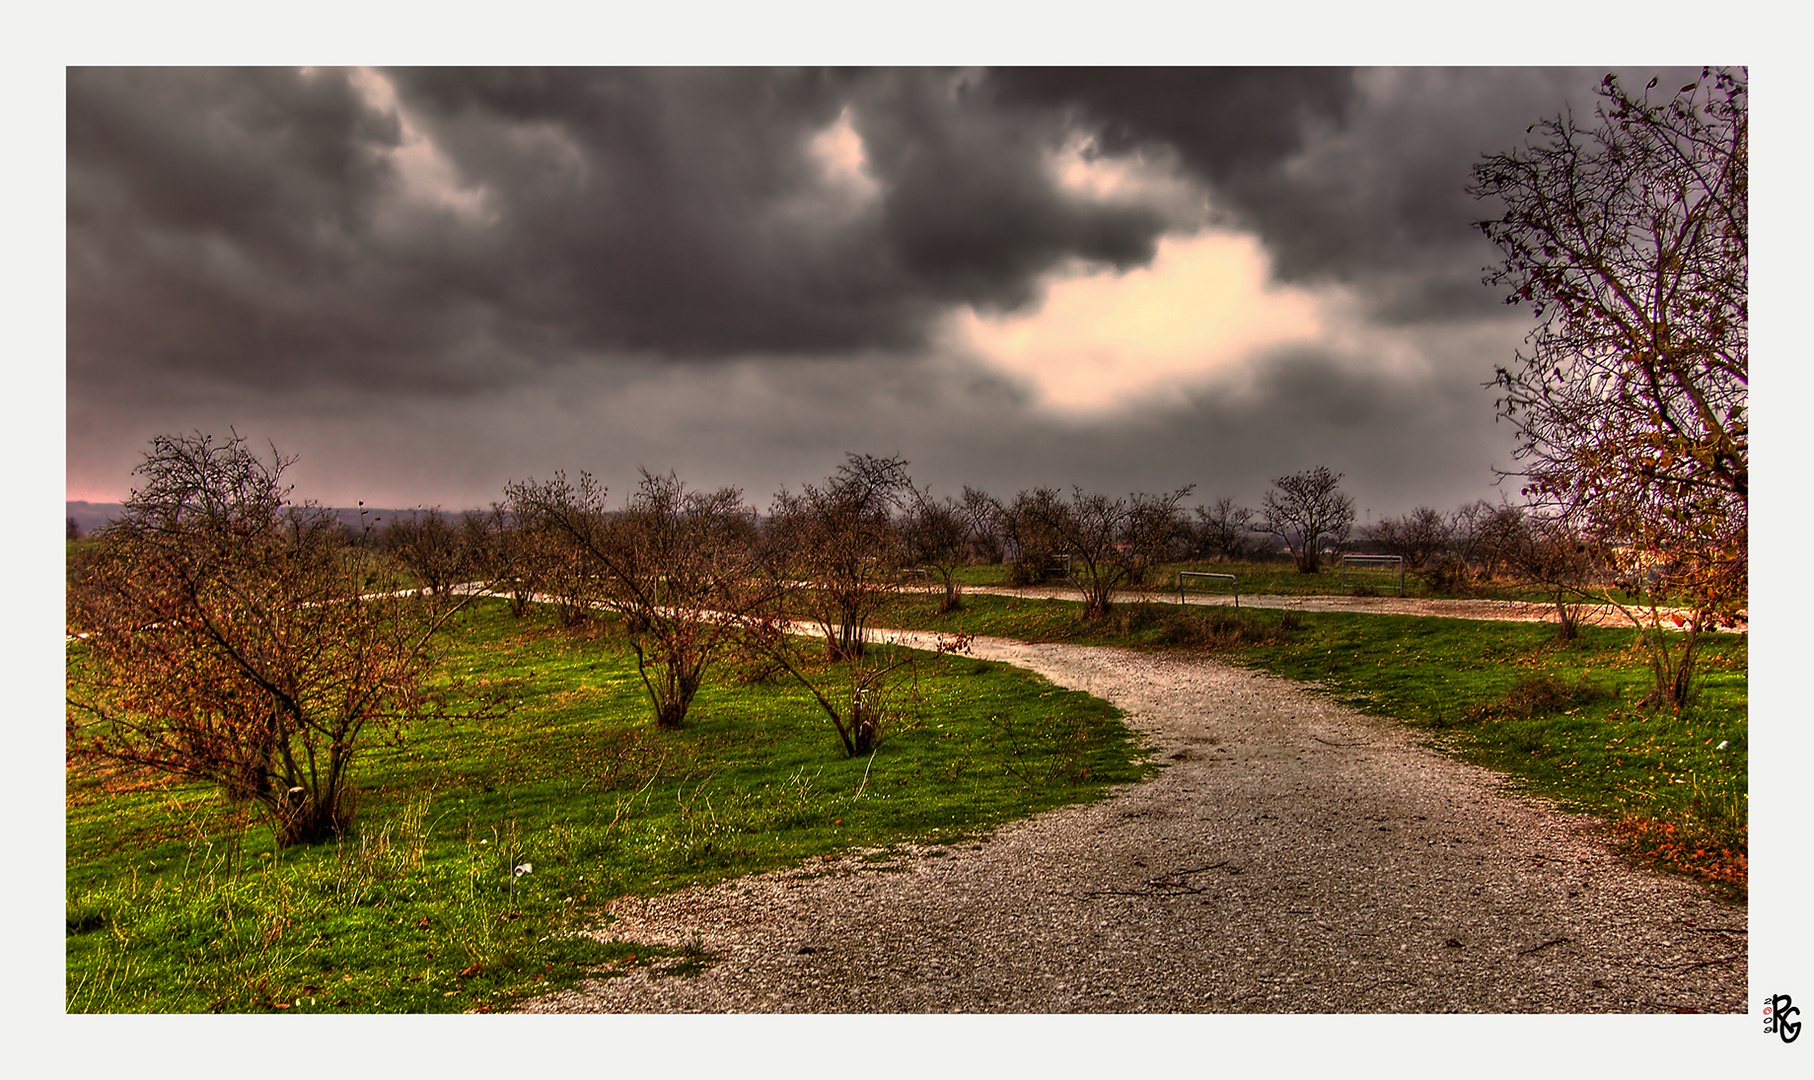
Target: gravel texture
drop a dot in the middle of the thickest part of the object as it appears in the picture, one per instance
(1292, 856)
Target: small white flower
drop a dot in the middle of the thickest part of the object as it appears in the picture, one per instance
(523, 868)
(1722, 745)
(482, 843)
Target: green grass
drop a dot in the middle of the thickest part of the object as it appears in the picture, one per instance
(1061, 620)
(1284, 579)
(1277, 578)
(175, 904)
(1564, 720)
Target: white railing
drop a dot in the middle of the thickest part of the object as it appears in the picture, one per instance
(1373, 561)
(1182, 574)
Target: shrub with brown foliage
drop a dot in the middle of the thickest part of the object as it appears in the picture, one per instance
(228, 635)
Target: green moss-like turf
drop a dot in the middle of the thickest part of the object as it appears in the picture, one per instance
(175, 904)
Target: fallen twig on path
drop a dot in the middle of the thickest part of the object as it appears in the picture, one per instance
(1545, 945)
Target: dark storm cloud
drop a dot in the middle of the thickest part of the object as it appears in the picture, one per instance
(220, 223)
(1223, 122)
(257, 226)
(282, 245)
(1382, 203)
(1350, 177)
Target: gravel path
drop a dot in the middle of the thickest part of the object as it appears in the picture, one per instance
(1292, 856)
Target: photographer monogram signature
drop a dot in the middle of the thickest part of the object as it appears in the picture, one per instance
(1777, 1010)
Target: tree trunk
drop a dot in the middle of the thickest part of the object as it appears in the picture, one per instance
(1672, 673)
(951, 602)
(1568, 621)
(305, 818)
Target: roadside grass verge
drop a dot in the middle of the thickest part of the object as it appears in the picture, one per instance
(483, 848)
(1283, 579)
(1562, 719)
(1276, 578)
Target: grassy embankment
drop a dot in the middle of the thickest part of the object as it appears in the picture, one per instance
(176, 905)
(1564, 719)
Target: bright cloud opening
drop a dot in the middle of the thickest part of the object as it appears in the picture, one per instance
(429, 179)
(1101, 340)
(844, 165)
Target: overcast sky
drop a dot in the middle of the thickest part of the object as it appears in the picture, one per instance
(426, 283)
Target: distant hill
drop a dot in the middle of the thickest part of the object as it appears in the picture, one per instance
(91, 516)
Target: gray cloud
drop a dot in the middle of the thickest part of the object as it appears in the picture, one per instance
(625, 267)
(1402, 438)
(1354, 177)
(252, 225)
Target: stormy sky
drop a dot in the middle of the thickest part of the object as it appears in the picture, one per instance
(426, 283)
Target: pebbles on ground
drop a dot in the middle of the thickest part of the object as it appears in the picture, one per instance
(1292, 855)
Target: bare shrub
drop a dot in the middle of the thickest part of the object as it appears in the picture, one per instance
(1303, 510)
(836, 548)
(677, 564)
(1113, 543)
(231, 637)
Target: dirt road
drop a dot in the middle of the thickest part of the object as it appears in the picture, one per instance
(1293, 855)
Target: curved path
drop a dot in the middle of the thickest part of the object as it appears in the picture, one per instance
(1292, 856)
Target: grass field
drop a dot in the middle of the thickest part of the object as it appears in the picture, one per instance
(1564, 719)
(482, 847)
(1284, 579)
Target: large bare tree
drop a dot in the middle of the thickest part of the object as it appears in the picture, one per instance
(1628, 238)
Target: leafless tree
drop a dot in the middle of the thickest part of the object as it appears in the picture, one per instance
(501, 552)
(1113, 543)
(861, 693)
(1629, 239)
(677, 564)
(546, 557)
(1551, 551)
(1481, 540)
(937, 535)
(1033, 546)
(434, 550)
(1419, 538)
(983, 514)
(1303, 510)
(1222, 529)
(228, 635)
(840, 541)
